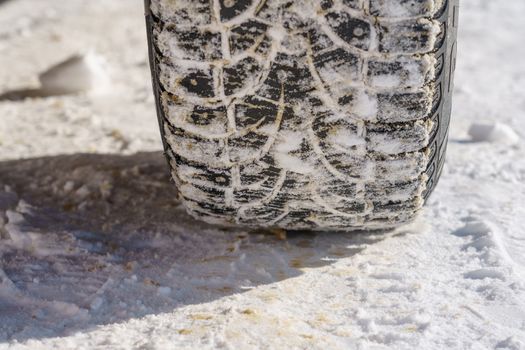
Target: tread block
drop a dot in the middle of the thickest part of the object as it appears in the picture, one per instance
(398, 138)
(401, 168)
(238, 76)
(410, 205)
(199, 119)
(195, 148)
(253, 110)
(288, 75)
(399, 73)
(245, 147)
(402, 8)
(408, 36)
(193, 43)
(336, 133)
(183, 12)
(260, 174)
(354, 31)
(198, 82)
(192, 81)
(336, 187)
(283, 12)
(202, 193)
(349, 206)
(233, 8)
(359, 102)
(354, 4)
(337, 66)
(248, 195)
(209, 177)
(393, 191)
(247, 35)
(221, 211)
(403, 107)
(354, 167)
(319, 41)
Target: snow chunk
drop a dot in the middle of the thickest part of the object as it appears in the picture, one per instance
(76, 74)
(493, 132)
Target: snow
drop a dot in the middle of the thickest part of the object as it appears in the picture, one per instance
(95, 250)
(287, 143)
(74, 75)
(493, 132)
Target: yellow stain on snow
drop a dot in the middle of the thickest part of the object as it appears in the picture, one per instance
(267, 297)
(344, 272)
(296, 263)
(199, 317)
(248, 312)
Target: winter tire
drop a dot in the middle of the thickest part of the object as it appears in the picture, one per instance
(303, 114)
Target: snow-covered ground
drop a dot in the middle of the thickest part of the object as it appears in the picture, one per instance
(95, 252)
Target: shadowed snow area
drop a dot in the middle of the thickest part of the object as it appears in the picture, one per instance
(97, 239)
(96, 251)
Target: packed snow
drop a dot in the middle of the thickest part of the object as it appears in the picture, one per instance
(96, 252)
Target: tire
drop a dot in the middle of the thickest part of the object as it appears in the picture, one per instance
(306, 114)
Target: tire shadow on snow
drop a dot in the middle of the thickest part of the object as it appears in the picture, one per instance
(90, 239)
